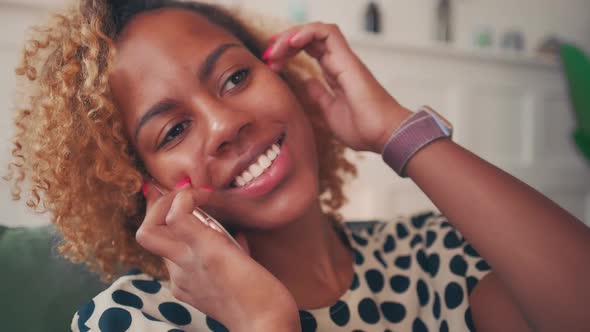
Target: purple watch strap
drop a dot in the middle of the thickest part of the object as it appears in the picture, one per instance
(413, 134)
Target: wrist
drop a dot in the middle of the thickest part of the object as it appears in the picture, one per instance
(391, 123)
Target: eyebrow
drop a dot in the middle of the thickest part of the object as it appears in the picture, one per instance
(164, 106)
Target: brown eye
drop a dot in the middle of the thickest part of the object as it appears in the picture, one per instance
(235, 79)
(175, 132)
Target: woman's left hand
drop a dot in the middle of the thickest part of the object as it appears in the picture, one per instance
(359, 111)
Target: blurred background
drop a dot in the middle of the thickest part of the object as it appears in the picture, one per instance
(492, 67)
(510, 74)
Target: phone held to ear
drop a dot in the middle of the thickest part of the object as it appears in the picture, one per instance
(207, 220)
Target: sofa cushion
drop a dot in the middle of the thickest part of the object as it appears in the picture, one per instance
(40, 291)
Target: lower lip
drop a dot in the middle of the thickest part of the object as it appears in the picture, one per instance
(271, 177)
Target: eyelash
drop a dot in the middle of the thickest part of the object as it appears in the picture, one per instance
(166, 140)
(238, 74)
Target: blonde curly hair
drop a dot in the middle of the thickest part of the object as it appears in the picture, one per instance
(70, 145)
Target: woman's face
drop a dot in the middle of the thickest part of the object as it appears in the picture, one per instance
(196, 103)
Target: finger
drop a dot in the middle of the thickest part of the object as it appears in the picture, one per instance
(181, 221)
(333, 108)
(153, 234)
(161, 242)
(318, 93)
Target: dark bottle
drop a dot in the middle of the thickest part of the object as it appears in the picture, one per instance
(444, 30)
(373, 18)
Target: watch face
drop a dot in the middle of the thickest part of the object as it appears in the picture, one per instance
(440, 120)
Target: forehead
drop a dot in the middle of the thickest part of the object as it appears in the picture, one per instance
(167, 34)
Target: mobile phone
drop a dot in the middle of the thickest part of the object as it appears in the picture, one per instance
(206, 219)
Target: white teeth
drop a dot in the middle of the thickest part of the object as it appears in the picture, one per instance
(271, 154)
(264, 161)
(257, 168)
(247, 176)
(240, 181)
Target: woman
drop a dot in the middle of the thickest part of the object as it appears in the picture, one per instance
(207, 111)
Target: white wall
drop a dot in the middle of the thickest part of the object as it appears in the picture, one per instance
(411, 20)
(406, 22)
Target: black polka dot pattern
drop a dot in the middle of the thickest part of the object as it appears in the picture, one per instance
(416, 240)
(414, 274)
(84, 314)
(452, 240)
(430, 238)
(115, 320)
(458, 265)
(355, 282)
(148, 286)
(403, 262)
(150, 317)
(340, 313)
(308, 322)
(389, 244)
(215, 326)
(402, 231)
(482, 266)
(418, 221)
(419, 326)
(127, 299)
(399, 283)
(393, 311)
(436, 306)
(379, 258)
(453, 295)
(175, 313)
(374, 280)
(422, 290)
(368, 311)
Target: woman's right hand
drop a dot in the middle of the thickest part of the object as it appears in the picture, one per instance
(208, 271)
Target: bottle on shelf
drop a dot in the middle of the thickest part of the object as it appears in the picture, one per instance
(373, 18)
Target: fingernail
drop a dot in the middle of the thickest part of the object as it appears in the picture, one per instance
(208, 188)
(291, 38)
(269, 63)
(274, 38)
(182, 183)
(144, 189)
(267, 52)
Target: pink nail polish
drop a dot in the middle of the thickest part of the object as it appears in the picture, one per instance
(291, 38)
(208, 188)
(184, 181)
(144, 189)
(267, 52)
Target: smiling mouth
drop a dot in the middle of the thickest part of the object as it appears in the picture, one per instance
(259, 166)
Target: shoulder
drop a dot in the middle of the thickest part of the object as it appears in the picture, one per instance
(135, 301)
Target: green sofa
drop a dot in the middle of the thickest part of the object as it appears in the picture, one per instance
(40, 291)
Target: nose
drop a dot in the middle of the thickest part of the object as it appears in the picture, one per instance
(225, 126)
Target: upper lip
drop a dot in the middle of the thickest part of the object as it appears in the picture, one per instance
(254, 151)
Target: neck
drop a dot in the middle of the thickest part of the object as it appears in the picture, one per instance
(307, 256)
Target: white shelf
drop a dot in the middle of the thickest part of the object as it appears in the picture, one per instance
(450, 51)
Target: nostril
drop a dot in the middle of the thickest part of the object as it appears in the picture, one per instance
(222, 147)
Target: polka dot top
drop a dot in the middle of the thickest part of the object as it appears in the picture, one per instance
(411, 274)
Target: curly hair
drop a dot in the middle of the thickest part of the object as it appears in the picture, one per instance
(71, 149)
